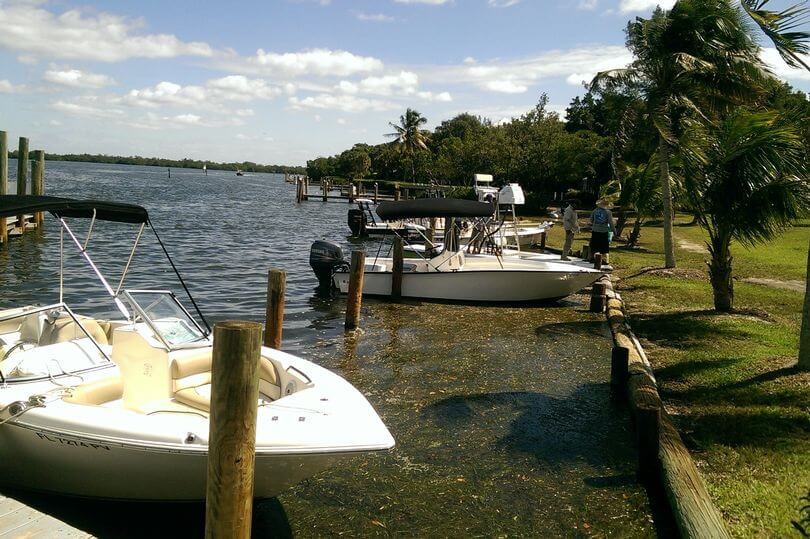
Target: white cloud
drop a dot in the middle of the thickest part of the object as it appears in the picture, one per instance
(403, 83)
(629, 6)
(345, 103)
(212, 95)
(442, 97)
(77, 78)
(373, 17)
(6, 87)
(92, 106)
(503, 3)
(587, 5)
(102, 37)
(771, 57)
(244, 112)
(505, 86)
(578, 79)
(317, 62)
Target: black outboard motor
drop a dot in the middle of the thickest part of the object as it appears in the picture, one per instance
(357, 222)
(325, 257)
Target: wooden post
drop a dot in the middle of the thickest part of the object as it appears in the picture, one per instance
(325, 188)
(355, 299)
(22, 176)
(598, 297)
(619, 361)
(406, 194)
(376, 192)
(38, 181)
(232, 429)
(274, 314)
(543, 242)
(597, 261)
(397, 268)
(3, 181)
(648, 428)
(305, 195)
(350, 192)
(298, 190)
(586, 252)
(396, 192)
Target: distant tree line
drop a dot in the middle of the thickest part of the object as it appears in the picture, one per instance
(247, 166)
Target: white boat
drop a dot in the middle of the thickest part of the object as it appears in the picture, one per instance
(451, 275)
(363, 221)
(119, 408)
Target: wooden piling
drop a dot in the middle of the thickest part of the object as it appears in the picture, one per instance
(355, 299)
(325, 188)
(38, 181)
(396, 192)
(376, 192)
(305, 195)
(3, 181)
(619, 361)
(232, 429)
(586, 252)
(598, 297)
(397, 268)
(22, 176)
(274, 313)
(543, 242)
(597, 261)
(648, 429)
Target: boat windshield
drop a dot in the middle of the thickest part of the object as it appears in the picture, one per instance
(167, 318)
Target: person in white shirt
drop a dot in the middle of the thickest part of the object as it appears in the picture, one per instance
(571, 227)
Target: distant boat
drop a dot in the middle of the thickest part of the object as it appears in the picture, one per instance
(205, 169)
(239, 172)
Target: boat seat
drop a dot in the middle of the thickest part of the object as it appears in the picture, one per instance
(191, 379)
(31, 327)
(64, 329)
(98, 392)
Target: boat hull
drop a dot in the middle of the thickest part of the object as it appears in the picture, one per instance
(476, 285)
(61, 463)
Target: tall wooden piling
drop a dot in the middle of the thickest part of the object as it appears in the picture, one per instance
(3, 181)
(38, 181)
(397, 268)
(22, 176)
(274, 314)
(325, 189)
(355, 299)
(597, 261)
(232, 429)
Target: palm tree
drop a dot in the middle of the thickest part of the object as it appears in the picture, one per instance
(680, 74)
(409, 135)
(746, 183)
(635, 188)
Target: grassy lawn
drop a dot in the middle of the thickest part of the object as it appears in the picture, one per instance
(729, 380)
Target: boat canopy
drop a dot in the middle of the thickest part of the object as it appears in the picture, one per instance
(11, 205)
(433, 207)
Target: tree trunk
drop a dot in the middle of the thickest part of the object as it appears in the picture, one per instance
(666, 195)
(804, 341)
(720, 274)
(632, 241)
(621, 222)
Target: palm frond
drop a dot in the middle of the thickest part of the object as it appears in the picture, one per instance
(781, 27)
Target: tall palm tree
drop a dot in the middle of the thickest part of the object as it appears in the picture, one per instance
(681, 74)
(409, 135)
(747, 182)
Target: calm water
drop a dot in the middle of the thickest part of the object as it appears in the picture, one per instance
(502, 415)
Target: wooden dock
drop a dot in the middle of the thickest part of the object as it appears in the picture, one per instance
(325, 191)
(20, 520)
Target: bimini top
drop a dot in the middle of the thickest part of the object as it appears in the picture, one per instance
(433, 207)
(11, 205)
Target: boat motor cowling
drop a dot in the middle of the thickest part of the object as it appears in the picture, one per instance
(325, 257)
(357, 222)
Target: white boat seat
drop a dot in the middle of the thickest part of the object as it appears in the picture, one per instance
(31, 327)
(64, 329)
(191, 378)
(98, 392)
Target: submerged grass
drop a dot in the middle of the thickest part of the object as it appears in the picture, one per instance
(729, 379)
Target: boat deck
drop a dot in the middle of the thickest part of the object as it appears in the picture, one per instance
(20, 520)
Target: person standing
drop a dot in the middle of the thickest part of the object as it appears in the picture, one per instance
(602, 227)
(571, 227)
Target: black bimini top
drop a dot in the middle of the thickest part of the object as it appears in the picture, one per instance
(433, 207)
(11, 205)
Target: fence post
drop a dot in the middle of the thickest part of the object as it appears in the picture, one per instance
(648, 427)
(22, 176)
(274, 313)
(232, 429)
(397, 268)
(598, 291)
(619, 363)
(38, 181)
(355, 299)
(597, 261)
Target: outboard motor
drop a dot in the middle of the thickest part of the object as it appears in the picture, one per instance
(325, 257)
(357, 222)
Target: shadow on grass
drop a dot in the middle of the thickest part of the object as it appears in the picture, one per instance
(677, 329)
(120, 519)
(762, 427)
(595, 329)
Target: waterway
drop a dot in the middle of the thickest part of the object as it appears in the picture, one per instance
(502, 415)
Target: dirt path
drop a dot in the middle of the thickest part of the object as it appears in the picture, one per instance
(794, 284)
(691, 247)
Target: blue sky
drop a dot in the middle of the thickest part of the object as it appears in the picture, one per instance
(282, 81)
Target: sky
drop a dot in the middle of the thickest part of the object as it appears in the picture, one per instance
(283, 81)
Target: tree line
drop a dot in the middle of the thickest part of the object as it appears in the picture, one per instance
(247, 166)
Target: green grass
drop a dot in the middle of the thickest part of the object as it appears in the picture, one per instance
(729, 380)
